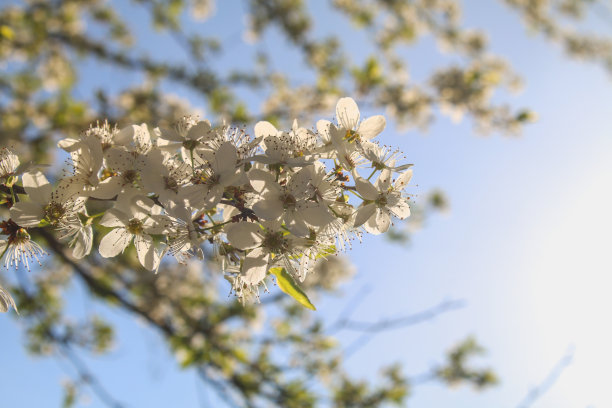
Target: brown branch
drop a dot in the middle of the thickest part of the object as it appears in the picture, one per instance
(96, 286)
(271, 389)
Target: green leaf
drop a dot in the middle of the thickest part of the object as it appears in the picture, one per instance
(287, 284)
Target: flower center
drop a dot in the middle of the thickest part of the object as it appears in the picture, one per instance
(381, 201)
(134, 226)
(190, 144)
(17, 234)
(130, 176)
(54, 212)
(275, 242)
(288, 201)
(213, 180)
(171, 184)
(351, 136)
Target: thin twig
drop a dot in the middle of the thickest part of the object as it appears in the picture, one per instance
(550, 380)
(369, 330)
(389, 324)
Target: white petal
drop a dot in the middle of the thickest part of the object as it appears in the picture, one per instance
(137, 135)
(195, 195)
(255, 266)
(244, 235)
(83, 244)
(233, 177)
(214, 196)
(200, 130)
(262, 180)
(228, 211)
(298, 184)
(263, 129)
(27, 213)
(316, 214)
(37, 186)
(403, 180)
(69, 144)
(137, 205)
(371, 127)
(148, 257)
(270, 208)
(297, 226)
(126, 135)
(347, 113)
(114, 218)
(67, 189)
(383, 182)
(379, 223)
(272, 225)
(95, 151)
(225, 159)
(264, 158)
(114, 242)
(157, 224)
(107, 189)
(364, 214)
(365, 188)
(116, 159)
(166, 135)
(323, 129)
(401, 209)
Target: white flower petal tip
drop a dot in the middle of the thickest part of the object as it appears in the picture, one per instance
(347, 113)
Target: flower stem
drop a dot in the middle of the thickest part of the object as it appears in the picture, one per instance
(370, 176)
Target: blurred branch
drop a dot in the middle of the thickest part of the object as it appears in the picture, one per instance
(218, 386)
(211, 370)
(370, 329)
(66, 350)
(550, 380)
(390, 324)
(98, 288)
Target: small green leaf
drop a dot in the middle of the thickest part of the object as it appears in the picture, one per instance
(43, 223)
(287, 284)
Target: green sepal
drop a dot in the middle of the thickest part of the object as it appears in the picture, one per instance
(43, 223)
(287, 284)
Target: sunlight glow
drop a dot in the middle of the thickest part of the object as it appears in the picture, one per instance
(570, 278)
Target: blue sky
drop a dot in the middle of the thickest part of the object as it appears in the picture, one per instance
(525, 244)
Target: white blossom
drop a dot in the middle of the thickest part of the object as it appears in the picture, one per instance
(348, 115)
(381, 201)
(290, 202)
(189, 135)
(8, 163)
(216, 171)
(136, 222)
(18, 248)
(53, 206)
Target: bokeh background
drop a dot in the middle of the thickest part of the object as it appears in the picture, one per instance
(523, 242)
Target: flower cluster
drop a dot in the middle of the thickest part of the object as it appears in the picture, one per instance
(280, 199)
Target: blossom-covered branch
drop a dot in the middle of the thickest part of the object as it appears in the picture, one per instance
(269, 204)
